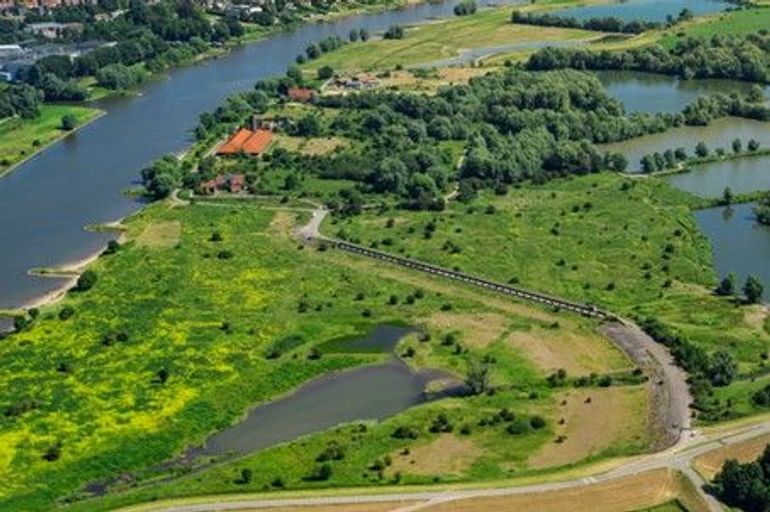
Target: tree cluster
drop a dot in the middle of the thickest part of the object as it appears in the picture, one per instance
(20, 100)
(745, 486)
(740, 58)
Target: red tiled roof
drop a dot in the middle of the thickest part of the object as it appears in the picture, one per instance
(301, 94)
(252, 143)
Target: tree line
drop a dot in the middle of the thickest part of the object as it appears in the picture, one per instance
(706, 370)
(606, 24)
(734, 57)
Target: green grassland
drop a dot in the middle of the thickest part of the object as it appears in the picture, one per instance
(737, 22)
(20, 138)
(630, 245)
(207, 311)
(442, 40)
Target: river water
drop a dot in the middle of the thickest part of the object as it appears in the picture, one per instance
(47, 201)
(650, 10)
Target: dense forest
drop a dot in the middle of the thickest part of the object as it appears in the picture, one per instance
(740, 58)
(745, 486)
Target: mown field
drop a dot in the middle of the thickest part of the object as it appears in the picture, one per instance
(19, 138)
(443, 40)
(171, 343)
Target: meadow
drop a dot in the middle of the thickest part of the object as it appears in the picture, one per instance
(21, 138)
(172, 343)
(629, 245)
(442, 40)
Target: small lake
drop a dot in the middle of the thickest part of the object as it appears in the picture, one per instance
(368, 393)
(748, 174)
(653, 93)
(647, 10)
(719, 134)
(739, 243)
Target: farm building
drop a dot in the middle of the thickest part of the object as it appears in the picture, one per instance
(301, 94)
(250, 142)
(233, 183)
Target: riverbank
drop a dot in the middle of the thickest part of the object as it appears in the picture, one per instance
(22, 139)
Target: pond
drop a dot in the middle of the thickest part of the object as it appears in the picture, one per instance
(369, 393)
(648, 10)
(719, 134)
(742, 175)
(653, 93)
(739, 243)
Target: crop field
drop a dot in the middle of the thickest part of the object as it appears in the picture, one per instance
(171, 344)
(19, 138)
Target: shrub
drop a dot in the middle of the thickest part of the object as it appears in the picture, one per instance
(86, 281)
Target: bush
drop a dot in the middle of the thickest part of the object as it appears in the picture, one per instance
(325, 72)
(68, 122)
(86, 281)
(405, 432)
(66, 312)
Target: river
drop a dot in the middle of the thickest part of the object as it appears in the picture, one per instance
(650, 10)
(47, 201)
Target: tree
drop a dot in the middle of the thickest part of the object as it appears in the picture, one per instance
(363, 34)
(68, 122)
(246, 476)
(737, 146)
(478, 378)
(86, 281)
(727, 196)
(353, 36)
(163, 375)
(753, 289)
(325, 72)
(394, 32)
(701, 150)
(649, 165)
(753, 145)
(727, 286)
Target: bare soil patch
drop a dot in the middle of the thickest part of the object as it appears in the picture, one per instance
(448, 454)
(578, 352)
(710, 464)
(311, 145)
(161, 235)
(478, 330)
(595, 420)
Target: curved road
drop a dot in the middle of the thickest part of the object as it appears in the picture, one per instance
(678, 458)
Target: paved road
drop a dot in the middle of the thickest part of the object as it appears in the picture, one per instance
(678, 458)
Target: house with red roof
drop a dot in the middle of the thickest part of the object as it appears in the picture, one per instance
(251, 142)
